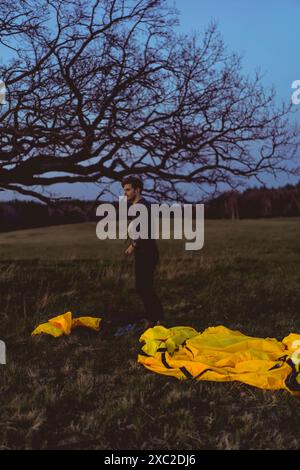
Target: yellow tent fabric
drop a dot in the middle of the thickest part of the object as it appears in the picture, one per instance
(221, 354)
(63, 325)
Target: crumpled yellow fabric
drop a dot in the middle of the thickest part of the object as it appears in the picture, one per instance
(221, 354)
(161, 337)
(63, 324)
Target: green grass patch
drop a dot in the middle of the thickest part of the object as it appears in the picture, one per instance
(86, 391)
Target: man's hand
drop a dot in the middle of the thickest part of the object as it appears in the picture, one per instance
(129, 250)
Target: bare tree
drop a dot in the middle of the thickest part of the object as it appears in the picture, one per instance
(100, 89)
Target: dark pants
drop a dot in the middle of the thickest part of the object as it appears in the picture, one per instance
(144, 281)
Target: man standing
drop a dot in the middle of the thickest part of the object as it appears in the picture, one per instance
(146, 257)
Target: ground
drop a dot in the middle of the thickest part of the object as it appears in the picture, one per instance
(87, 391)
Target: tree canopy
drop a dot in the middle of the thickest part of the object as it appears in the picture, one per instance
(100, 89)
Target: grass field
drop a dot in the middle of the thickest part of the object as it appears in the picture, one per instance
(87, 391)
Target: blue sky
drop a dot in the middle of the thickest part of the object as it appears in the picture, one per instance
(265, 33)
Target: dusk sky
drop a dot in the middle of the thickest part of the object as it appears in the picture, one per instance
(264, 32)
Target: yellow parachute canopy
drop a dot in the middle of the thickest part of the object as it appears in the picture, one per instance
(221, 354)
(63, 324)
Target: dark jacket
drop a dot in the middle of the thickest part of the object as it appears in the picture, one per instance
(145, 247)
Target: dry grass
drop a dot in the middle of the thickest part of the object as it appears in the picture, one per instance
(86, 391)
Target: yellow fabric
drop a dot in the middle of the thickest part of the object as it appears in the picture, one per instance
(161, 337)
(221, 354)
(89, 322)
(48, 329)
(63, 324)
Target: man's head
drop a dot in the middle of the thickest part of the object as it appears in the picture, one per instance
(133, 187)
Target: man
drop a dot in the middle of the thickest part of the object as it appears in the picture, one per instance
(146, 256)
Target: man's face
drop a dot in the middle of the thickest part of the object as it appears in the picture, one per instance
(130, 192)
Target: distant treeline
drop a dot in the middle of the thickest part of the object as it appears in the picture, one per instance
(252, 203)
(255, 203)
(18, 214)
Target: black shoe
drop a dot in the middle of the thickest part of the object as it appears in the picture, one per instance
(126, 330)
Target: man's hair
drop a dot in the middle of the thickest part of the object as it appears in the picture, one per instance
(134, 181)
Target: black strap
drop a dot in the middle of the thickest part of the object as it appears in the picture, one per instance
(291, 382)
(186, 347)
(282, 359)
(183, 369)
(164, 361)
(201, 373)
(186, 373)
(276, 366)
(142, 353)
